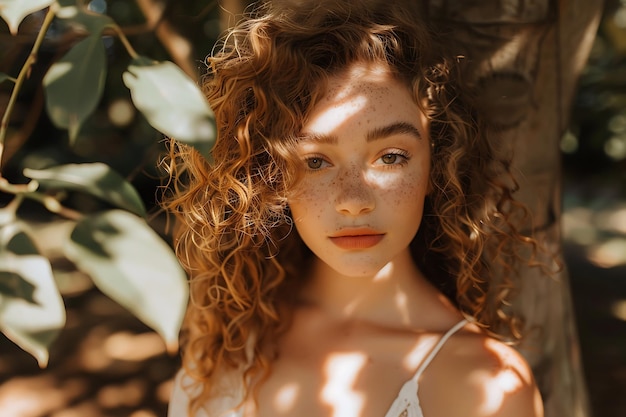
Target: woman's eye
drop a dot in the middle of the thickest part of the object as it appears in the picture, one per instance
(390, 158)
(395, 158)
(314, 163)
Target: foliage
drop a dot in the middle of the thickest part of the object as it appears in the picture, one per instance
(596, 143)
(115, 245)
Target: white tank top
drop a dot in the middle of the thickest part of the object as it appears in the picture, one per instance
(228, 393)
(407, 402)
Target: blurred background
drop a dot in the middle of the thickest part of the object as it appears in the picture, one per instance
(594, 214)
(106, 363)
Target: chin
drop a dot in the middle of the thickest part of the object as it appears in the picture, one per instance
(359, 269)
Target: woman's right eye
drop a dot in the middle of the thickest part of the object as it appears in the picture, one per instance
(314, 163)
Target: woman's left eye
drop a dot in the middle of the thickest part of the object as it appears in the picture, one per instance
(393, 158)
(389, 159)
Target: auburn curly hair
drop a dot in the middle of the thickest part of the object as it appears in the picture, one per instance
(234, 233)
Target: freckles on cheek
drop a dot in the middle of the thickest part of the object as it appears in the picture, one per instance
(310, 193)
(407, 191)
(309, 200)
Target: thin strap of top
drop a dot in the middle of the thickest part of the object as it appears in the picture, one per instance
(438, 347)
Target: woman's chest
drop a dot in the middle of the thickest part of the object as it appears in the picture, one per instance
(345, 385)
(353, 377)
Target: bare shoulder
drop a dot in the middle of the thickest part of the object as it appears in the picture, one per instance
(485, 377)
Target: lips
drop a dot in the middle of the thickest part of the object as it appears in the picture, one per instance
(357, 238)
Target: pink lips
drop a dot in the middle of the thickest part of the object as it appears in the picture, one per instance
(357, 238)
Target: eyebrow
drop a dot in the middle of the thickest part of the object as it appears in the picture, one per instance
(319, 138)
(397, 128)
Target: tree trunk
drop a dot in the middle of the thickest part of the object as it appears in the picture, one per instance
(526, 56)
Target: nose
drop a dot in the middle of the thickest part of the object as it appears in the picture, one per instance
(355, 195)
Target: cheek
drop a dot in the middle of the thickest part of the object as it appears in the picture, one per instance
(407, 192)
(308, 199)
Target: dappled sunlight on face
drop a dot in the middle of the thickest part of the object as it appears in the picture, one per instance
(365, 167)
(341, 371)
(332, 120)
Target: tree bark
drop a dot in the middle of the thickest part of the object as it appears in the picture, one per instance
(526, 57)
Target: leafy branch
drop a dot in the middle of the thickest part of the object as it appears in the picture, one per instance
(116, 247)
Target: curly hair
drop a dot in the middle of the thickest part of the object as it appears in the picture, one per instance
(234, 233)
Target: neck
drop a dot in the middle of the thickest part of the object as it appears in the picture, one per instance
(397, 295)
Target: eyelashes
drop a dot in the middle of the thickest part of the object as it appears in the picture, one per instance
(396, 157)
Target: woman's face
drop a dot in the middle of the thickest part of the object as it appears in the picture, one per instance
(366, 158)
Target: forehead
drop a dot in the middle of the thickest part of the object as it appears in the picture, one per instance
(365, 91)
(358, 78)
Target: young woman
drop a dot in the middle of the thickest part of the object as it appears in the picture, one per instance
(351, 246)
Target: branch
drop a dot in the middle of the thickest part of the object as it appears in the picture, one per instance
(24, 72)
(54, 206)
(129, 48)
(28, 190)
(179, 48)
(17, 139)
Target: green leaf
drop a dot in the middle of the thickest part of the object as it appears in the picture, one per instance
(74, 84)
(172, 102)
(14, 11)
(34, 314)
(17, 241)
(96, 178)
(4, 77)
(32, 325)
(130, 263)
(15, 238)
(13, 285)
